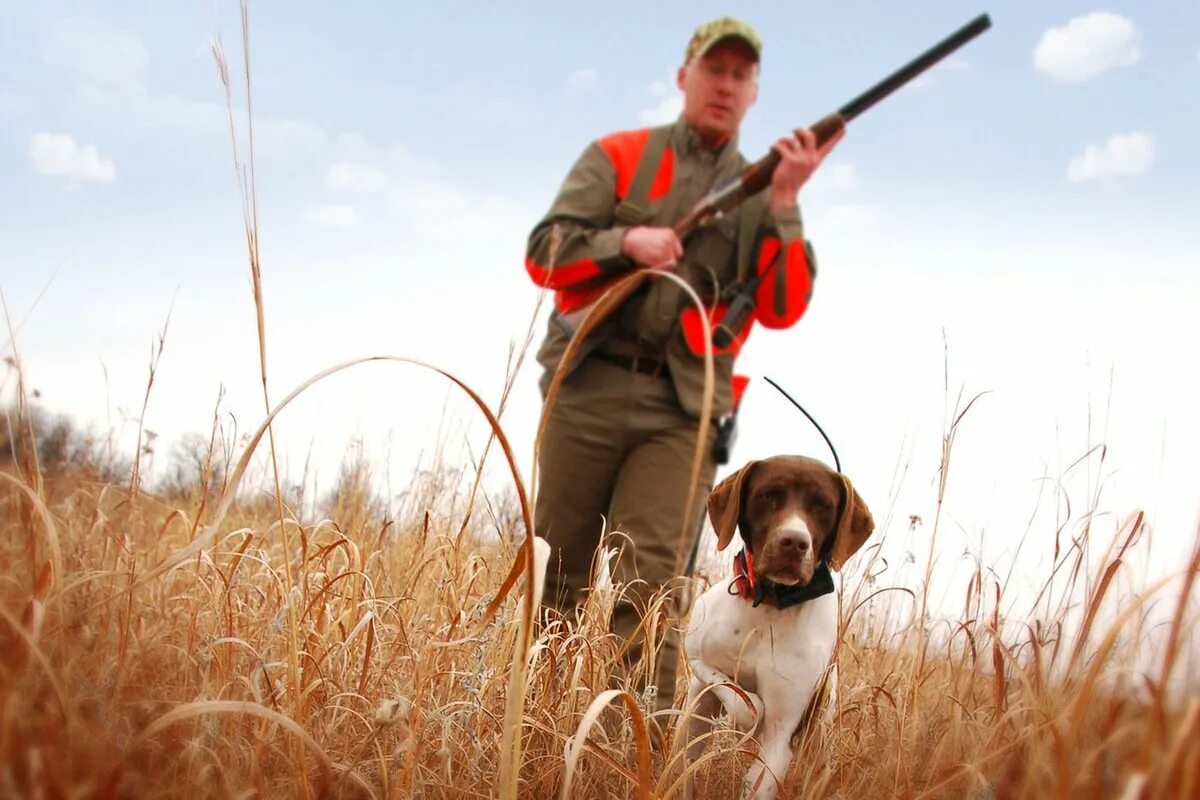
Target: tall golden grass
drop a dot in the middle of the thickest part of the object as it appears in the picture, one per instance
(214, 646)
(128, 671)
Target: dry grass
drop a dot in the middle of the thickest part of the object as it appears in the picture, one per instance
(214, 646)
(114, 684)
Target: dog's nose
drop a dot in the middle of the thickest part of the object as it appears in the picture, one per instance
(796, 542)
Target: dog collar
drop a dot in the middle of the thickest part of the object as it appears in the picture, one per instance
(763, 590)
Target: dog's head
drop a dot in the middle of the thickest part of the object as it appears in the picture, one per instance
(792, 512)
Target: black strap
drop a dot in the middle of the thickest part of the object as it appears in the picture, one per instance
(785, 596)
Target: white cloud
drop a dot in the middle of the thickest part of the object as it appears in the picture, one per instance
(668, 106)
(102, 55)
(436, 210)
(111, 66)
(1123, 154)
(344, 175)
(582, 80)
(846, 219)
(1086, 47)
(332, 216)
(58, 154)
(667, 110)
(833, 177)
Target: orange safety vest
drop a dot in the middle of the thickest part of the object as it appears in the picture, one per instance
(645, 167)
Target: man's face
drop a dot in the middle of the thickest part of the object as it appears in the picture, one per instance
(719, 88)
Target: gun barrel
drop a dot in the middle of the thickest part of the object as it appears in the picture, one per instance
(915, 67)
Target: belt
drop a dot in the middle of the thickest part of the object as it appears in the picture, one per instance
(643, 364)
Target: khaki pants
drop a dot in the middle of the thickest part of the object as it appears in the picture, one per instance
(618, 448)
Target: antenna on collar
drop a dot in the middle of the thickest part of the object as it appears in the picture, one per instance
(837, 462)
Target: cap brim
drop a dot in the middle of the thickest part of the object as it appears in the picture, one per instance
(737, 36)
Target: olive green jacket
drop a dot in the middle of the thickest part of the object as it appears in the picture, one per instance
(656, 322)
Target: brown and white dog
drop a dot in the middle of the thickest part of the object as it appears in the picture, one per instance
(771, 628)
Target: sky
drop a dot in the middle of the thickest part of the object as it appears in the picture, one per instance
(1020, 224)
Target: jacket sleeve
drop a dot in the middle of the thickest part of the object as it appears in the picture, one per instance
(589, 245)
(787, 261)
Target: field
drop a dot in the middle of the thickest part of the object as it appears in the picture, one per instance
(212, 645)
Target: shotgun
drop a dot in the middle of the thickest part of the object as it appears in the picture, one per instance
(757, 177)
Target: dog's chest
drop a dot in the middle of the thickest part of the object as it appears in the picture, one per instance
(753, 645)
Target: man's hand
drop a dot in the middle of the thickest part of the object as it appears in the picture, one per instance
(656, 248)
(799, 159)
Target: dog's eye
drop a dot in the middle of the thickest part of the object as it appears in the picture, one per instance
(820, 503)
(770, 494)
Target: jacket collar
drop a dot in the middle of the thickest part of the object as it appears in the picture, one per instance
(687, 142)
(763, 590)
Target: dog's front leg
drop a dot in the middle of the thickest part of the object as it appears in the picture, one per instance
(765, 776)
(786, 704)
(743, 716)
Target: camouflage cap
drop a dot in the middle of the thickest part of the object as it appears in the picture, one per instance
(710, 33)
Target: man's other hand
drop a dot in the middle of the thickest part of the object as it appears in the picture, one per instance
(799, 158)
(656, 248)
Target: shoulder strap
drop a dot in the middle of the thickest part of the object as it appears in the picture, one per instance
(634, 207)
(750, 217)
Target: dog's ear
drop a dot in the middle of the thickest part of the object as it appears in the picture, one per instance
(853, 528)
(725, 504)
